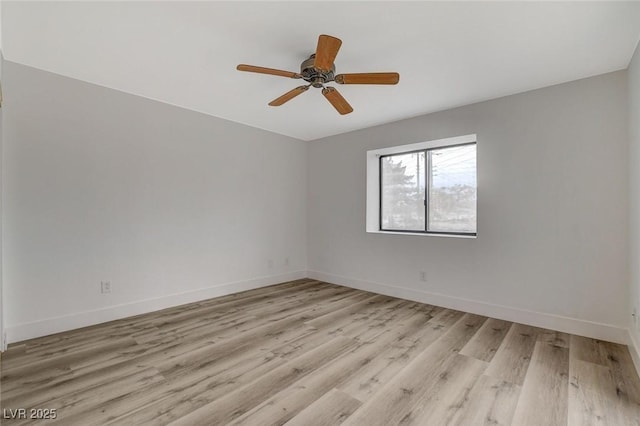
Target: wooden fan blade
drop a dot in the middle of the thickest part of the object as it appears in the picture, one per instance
(289, 95)
(270, 71)
(336, 99)
(368, 78)
(326, 52)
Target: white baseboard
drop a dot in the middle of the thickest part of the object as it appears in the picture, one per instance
(579, 327)
(48, 326)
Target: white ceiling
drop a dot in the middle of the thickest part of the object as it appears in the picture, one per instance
(447, 53)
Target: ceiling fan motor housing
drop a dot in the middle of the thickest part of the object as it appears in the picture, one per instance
(314, 75)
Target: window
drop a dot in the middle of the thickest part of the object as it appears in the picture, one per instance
(426, 188)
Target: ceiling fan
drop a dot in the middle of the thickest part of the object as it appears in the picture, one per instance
(318, 70)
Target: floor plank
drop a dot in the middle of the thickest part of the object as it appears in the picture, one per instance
(486, 342)
(625, 379)
(448, 393)
(592, 395)
(511, 360)
(331, 409)
(491, 401)
(589, 350)
(544, 394)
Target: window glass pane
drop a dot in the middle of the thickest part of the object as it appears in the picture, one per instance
(452, 189)
(403, 180)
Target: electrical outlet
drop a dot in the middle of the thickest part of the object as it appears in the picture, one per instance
(423, 276)
(286, 261)
(105, 287)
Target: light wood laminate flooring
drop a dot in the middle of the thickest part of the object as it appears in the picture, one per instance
(311, 353)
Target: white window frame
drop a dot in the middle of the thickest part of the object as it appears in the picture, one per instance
(373, 181)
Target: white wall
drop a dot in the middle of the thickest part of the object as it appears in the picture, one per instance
(167, 204)
(3, 343)
(634, 191)
(552, 211)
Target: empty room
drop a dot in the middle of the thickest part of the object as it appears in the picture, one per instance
(320, 213)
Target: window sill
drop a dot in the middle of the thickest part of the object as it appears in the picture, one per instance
(423, 234)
